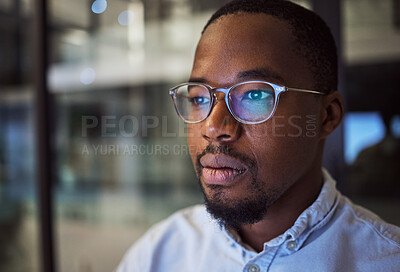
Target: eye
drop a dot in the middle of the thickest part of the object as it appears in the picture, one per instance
(256, 95)
(199, 100)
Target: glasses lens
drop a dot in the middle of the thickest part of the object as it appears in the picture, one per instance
(192, 102)
(252, 102)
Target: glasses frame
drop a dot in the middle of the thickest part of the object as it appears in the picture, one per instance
(278, 90)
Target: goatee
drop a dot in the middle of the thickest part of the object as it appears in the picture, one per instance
(235, 213)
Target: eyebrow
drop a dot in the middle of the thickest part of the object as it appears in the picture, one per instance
(197, 79)
(260, 73)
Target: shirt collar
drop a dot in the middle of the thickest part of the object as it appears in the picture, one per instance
(311, 219)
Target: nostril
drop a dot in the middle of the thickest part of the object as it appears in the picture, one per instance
(224, 137)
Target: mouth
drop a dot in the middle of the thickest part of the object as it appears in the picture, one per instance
(221, 169)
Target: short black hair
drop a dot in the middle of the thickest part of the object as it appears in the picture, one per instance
(314, 40)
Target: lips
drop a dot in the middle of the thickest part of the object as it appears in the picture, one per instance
(221, 169)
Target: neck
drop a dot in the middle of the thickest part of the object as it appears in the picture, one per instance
(284, 212)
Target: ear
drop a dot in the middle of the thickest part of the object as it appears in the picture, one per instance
(332, 113)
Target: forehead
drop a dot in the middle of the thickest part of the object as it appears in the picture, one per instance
(241, 42)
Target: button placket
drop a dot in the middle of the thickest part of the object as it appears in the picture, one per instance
(291, 245)
(253, 268)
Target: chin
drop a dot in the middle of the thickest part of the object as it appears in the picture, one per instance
(246, 207)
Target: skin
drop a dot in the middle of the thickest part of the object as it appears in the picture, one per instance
(288, 166)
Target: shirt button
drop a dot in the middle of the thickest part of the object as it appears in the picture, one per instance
(291, 245)
(253, 268)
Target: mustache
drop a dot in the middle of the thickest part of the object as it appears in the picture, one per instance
(226, 150)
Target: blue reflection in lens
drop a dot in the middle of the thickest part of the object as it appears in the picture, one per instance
(255, 95)
(253, 105)
(99, 6)
(199, 100)
(193, 102)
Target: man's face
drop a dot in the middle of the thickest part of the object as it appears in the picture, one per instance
(244, 169)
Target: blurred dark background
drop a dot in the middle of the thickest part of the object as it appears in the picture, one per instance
(119, 155)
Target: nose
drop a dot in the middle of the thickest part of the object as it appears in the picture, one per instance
(221, 127)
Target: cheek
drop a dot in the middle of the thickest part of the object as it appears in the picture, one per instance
(190, 135)
(300, 119)
(282, 149)
(195, 140)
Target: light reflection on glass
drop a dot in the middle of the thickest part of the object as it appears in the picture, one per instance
(99, 6)
(88, 75)
(126, 17)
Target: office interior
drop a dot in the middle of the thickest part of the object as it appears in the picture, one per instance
(118, 152)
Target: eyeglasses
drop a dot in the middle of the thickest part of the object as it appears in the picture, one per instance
(250, 102)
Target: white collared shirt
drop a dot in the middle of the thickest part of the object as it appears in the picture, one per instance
(332, 234)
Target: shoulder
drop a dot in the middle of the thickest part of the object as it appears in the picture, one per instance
(356, 240)
(386, 231)
(187, 228)
(365, 228)
(357, 227)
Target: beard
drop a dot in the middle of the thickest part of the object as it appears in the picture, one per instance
(234, 213)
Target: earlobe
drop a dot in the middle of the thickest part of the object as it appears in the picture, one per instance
(332, 115)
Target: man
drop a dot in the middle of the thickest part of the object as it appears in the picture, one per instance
(268, 204)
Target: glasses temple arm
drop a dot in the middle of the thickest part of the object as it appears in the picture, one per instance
(305, 91)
